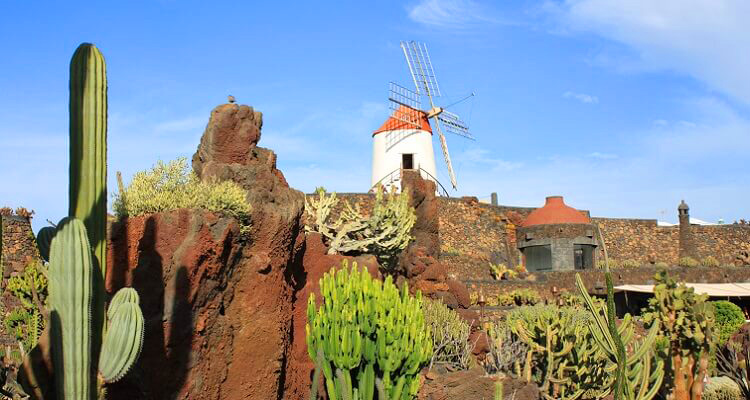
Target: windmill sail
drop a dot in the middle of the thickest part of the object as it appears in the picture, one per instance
(447, 157)
(453, 124)
(404, 105)
(421, 69)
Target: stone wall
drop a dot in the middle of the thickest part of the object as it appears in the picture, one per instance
(473, 234)
(18, 244)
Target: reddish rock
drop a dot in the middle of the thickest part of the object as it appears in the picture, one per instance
(436, 272)
(232, 132)
(470, 316)
(481, 343)
(459, 385)
(461, 292)
(429, 288)
(448, 299)
(181, 263)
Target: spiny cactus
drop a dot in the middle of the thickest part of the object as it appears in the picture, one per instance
(563, 355)
(687, 326)
(44, 240)
(71, 298)
(644, 371)
(384, 233)
(368, 331)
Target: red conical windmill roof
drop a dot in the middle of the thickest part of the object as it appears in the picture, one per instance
(394, 122)
(555, 211)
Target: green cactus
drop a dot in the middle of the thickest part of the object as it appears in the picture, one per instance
(88, 146)
(44, 240)
(563, 354)
(367, 330)
(385, 232)
(644, 372)
(71, 298)
(686, 322)
(498, 390)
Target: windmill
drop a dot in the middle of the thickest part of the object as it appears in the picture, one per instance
(405, 106)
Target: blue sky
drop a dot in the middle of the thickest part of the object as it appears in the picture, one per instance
(623, 107)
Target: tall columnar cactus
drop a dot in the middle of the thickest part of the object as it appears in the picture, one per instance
(563, 354)
(370, 334)
(71, 298)
(88, 146)
(644, 372)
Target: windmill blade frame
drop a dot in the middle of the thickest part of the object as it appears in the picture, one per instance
(453, 124)
(404, 105)
(420, 66)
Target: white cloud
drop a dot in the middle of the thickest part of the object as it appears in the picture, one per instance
(705, 39)
(582, 97)
(482, 160)
(447, 14)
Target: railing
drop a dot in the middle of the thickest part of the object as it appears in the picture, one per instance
(389, 178)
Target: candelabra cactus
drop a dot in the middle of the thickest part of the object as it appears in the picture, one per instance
(44, 240)
(643, 371)
(370, 333)
(71, 298)
(563, 352)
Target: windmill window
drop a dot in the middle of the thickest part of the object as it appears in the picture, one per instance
(407, 161)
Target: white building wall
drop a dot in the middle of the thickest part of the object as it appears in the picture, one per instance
(387, 150)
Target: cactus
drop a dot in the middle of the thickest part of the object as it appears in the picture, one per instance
(44, 240)
(71, 298)
(562, 354)
(643, 371)
(88, 146)
(501, 271)
(687, 326)
(367, 330)
(498, 390)
(384, 233)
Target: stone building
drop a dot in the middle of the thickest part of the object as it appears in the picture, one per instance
(557, 237)
(17, 244)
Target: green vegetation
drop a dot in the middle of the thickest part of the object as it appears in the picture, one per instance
(661, 264)
(722, 388)
(370, 334)
(630, 263)
(563, 358)
(643, 371)
(450, 335)
(44, 240)
(519, 297)
(71, 299)
(710, 261)
(688, 262)
(26, 321)
(733, 361)
(686, 335)
(172, 186)
(384, 233)
(729, 319)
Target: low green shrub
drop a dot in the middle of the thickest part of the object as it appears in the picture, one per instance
(688, 262)
(710, 261)
(519, 297)
(722, 388)
(601, 263)
(630, 263)
(170, 186)
(661, 264)
(450, 335)
(729, 318)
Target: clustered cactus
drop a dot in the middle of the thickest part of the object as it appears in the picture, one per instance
(27, 320)
(385, 232)
(687, 333)
(563, 353)
(372, 336)
(450, 335)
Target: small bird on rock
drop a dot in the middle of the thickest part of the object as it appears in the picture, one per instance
(231, 99)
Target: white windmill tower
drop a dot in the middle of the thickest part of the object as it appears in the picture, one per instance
(404, 141)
